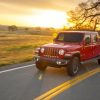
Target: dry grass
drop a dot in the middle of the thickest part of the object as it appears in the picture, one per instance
(15, 48)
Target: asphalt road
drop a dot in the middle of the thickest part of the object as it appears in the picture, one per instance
(88, 89)
(25, 82)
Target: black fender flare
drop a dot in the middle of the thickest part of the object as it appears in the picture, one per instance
(72, 54)
(77, 54)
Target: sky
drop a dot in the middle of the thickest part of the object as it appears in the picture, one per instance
(44, 13)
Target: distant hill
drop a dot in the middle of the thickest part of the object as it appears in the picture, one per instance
(3, 27)
(27, 30)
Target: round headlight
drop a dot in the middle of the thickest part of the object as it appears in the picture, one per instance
(42, 50)
(61, 52)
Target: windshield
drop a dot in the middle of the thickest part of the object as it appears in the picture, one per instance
(69, 37)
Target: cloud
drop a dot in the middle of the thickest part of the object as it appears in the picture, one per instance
(9, 8)
(21, 6)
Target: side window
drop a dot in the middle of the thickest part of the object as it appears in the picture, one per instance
(94, 38)
(60, 37)
(87, 39)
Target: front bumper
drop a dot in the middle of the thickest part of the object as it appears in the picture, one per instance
(51, 61)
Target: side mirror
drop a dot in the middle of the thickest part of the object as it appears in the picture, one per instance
(87, 40)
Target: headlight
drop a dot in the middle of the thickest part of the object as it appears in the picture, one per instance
(61, 52)
(42, 50)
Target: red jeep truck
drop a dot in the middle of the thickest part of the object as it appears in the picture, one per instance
(69, 49)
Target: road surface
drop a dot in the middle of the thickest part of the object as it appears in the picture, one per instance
(25, 82)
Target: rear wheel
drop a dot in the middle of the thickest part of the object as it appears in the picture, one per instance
(73, 66)
(99, 61)
(40, 66)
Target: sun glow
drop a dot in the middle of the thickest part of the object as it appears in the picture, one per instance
(46, 18)
(37, 18)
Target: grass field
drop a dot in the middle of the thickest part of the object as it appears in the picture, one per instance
(15, 48)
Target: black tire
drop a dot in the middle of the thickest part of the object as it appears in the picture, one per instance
(40, 66)
(99, 61)
(73, 66)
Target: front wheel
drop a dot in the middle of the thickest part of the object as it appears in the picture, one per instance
(99, 61)
(40, 66)
(73, 66)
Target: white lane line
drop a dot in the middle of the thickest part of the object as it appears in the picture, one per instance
(16, 68)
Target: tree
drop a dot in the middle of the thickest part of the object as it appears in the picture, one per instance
(12, 28)
(86, 14)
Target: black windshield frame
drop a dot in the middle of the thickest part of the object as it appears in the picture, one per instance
(70, 37)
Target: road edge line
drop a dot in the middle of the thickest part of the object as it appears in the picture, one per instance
(4, 71)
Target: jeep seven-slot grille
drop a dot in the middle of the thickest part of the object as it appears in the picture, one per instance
(51, 52)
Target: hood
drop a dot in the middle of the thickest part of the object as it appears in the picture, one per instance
(68, 46)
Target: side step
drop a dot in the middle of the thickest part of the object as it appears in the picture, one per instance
(87, 61)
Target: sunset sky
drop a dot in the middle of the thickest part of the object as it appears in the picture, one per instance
(44, 13)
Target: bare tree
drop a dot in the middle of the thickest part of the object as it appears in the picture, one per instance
(86, 13)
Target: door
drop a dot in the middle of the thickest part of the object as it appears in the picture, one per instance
(96, 45)
(88, 47)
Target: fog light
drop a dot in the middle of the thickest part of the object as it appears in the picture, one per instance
(66, 62)
(58, 62)
(37, 59)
